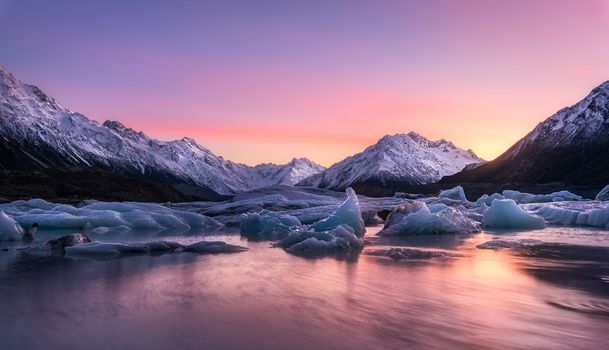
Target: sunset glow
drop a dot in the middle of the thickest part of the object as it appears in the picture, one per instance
(267, 81)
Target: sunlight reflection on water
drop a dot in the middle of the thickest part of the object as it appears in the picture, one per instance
(267, 299)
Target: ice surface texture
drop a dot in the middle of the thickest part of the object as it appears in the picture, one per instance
(418, 219)
(98, 215)
(497, 244)
(594, 214)
(115, 249)
(603, 195)
(268, 225)
(10, 230)
(347, 213)
(406, 253)
(505, 213)
(455, 193)
(341, 239)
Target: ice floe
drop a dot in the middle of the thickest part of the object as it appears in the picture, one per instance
(406, 253)
(497, 244)
(505, 213)
(417, 218)
(593, 214)
(268, 225)
(115, 249)
(341, 239)
(455, 193)
(103, 215)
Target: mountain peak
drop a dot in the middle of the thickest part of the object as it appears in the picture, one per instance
(401, 158)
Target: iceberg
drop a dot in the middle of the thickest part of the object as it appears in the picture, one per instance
(268, 225)
(347, 213)
(455, 193)
(603, 195)
(417, 219)
(505, 213)
(10, 230)
(341, 239)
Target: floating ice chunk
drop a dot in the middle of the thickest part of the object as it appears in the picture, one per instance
(116, 249)
(481, 200)
(603, 195)
(595, 214)
(106, 248)
(595, 217)
(213, 247)
(10, 230)
(505, 213)
(342, 239)
(347, 213)
(406, 253)
(455, 193)
(136, 216)
(268, 225)
(490, 199)
(66, 241)
(515, 195)
(502, 244)
(551, 197)
(417, 219)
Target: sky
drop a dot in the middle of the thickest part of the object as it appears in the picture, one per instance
(266, 81)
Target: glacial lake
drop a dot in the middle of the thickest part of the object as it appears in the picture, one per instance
(552, 297)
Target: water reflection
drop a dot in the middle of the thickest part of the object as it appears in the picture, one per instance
(267, 299)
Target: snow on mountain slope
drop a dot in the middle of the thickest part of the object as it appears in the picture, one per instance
(37, 132)
(570, 146)
(291, 173)
(402, 158)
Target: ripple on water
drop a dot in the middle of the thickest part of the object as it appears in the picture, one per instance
(595, 307)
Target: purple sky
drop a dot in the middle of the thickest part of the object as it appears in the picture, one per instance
(263, 81)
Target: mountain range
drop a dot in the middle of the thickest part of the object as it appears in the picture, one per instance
(571, 147)
(45, 142)
(36, 133)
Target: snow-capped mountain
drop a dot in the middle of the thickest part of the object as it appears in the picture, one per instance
(290, 173)
(403, 158)
(36, 132)
(572, 146)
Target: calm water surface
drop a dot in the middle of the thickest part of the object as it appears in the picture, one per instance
(552, 297)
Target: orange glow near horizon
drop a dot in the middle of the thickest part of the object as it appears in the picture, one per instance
(274, 81)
